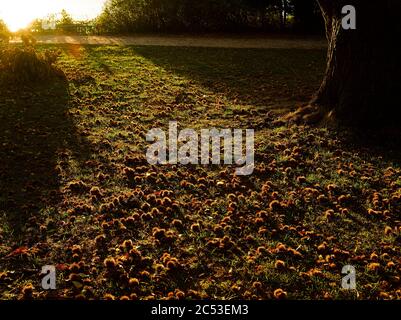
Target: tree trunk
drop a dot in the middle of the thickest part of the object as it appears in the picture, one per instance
(362, 83)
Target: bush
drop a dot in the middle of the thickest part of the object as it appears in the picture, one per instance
(26, 65)
(4, 37)
(4, 33)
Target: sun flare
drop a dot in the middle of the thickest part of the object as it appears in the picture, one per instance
(18, 14)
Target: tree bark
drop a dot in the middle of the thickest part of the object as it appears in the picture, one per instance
(362, 83)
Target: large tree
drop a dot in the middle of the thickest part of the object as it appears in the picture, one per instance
(362, 83)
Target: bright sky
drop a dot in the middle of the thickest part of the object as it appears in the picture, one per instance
(18, 14)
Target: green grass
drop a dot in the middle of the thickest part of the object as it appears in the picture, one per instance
(92, 129)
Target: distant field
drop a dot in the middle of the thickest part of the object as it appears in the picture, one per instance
(76, 190)
(203, 40)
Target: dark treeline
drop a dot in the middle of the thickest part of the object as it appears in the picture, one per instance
(125, 16)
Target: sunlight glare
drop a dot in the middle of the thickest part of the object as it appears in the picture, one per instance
(18, 14)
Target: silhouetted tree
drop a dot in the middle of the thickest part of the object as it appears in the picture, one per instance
(362, 81)
(65, 22)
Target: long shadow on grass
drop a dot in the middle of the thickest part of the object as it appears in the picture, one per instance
(35, 132)
(277, 78)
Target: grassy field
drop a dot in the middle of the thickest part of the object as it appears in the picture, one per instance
(76, 190)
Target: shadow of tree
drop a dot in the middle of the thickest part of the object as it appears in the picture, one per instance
(35, 130)
(276, 78)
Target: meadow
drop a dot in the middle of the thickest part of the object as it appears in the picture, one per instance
(77, 192)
